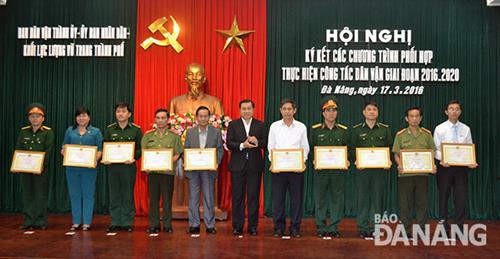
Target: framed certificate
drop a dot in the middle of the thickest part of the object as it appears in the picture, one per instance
(200, 159)
(118, 152)
(287, 160)
(458, 154)
(157, 159)
(330, 157)
(417, 160)
(80, 156)
(27, 162)
(373, 157)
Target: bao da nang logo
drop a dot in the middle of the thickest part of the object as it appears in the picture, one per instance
(386, 235)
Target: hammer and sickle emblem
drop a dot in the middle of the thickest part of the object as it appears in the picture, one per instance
(170, 38)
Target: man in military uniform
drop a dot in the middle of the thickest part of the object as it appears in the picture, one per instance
(161, 182)
(329, 184)
(35, 137)
(412, 187)
(121, 177)
(370, 183)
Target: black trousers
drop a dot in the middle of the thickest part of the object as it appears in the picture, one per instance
(245, 183)
(448, 179)
(293, 183)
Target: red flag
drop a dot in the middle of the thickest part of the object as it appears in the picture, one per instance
(231, 75)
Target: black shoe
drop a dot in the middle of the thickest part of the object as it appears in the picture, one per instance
(322, 234)
(153, 230)
(237, 232)
(42, 227)
(295, 234)
(212, 231)
(194, 230)
(23, 227)
(363, 234)
(278, 233)
(112, 228)
(127, 228)
(168, 230)
(252, 232)
(334, 234)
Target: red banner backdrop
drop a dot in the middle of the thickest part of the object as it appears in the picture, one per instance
(231, 75)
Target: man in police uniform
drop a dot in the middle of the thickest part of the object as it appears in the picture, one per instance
(161, 182)
(412, 187)
(370, 183)
(329, 184)
(35, 137)
(121, 177)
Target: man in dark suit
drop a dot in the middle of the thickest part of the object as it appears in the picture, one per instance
(246, 138)
(203, 136)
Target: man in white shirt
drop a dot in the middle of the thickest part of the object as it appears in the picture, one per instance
(287, 133)
(452, 177)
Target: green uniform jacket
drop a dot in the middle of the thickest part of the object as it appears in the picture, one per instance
(363, 136)
(131, 133)
(169, 140)
(41, 141)
(406, 140)
(323, 136)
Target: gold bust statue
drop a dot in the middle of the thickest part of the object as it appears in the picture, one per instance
(195, 97)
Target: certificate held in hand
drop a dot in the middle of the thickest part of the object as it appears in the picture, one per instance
(373, 157)
(80, 156)
(287, 160)
(417, 161)
(118, 152)
(157, 159)
(27, 162)
(330, 157)
(458, 154)
(200, 159)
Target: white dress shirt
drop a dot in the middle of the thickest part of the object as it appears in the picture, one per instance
(247, 130)
(448, 132)
(283, 136)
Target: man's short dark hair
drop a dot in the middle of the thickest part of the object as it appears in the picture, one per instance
(453, 102)
(202, 108)
(414, 108)
(290, 101)
(123, 105)
(161, 110)
(247, 101)
(372, 103)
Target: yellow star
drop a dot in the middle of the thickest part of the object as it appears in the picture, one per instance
(234, 36)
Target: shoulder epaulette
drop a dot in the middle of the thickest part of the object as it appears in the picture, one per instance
(315, 126)
(26, 127)
(341, 126)
(149, 131)
(135, 125)
(426, 130)
(47, 128)
(383, 125)
(112, 124)
(401, 131)
(357, 125)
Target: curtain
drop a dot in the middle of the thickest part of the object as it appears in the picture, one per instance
(60, 84)
(462, 33)
(231, 75)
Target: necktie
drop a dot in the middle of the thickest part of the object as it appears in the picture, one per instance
(455, 133)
